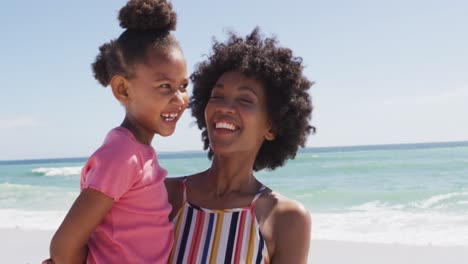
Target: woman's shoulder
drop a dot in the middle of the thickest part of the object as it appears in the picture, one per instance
(174, 183)
(175, 188)
(283, 208)
(285, 223)
(175, 193)
(177, 183)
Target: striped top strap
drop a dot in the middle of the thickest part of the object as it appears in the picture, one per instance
(184, 189)
(257, 195)
(218, 236)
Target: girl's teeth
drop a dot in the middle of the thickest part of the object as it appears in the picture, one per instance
(169, 117)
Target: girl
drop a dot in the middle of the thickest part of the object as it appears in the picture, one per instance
(250, 98)
(121, 214)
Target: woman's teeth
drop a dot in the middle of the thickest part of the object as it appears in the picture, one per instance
(225, 126)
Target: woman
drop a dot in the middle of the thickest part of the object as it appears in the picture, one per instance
(250, 100)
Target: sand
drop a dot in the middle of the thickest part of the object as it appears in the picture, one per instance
(32, 246)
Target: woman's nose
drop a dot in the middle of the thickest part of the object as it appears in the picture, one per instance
(226, 105)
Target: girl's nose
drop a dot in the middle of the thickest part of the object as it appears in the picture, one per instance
(180, 98)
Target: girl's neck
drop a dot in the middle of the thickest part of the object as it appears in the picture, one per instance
(138, 131)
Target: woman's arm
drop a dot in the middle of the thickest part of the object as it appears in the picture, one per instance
(291, 233)
(68, 245)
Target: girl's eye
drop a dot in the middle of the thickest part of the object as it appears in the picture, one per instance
(166, 85)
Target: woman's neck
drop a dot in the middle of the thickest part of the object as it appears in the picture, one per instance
(231, 175)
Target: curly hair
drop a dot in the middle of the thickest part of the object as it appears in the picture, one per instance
(289, 105)
(147, 23)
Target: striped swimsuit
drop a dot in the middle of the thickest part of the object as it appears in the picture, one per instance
(217, 236)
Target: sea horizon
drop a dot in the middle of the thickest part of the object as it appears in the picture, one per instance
(411, 194)
(309, 149)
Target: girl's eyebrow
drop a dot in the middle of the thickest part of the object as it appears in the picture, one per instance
(163, 77)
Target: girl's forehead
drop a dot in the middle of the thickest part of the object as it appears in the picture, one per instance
(163, 65)
(155, 55)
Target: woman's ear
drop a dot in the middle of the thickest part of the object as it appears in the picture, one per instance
(120, 88)
(269, 135)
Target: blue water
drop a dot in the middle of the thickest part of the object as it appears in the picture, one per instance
(408, 194)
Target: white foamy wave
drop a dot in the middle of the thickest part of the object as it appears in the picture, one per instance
(439, 201)
(39, 198)
(392, 226)
(375, 206)
(38, 220)
(62, 171)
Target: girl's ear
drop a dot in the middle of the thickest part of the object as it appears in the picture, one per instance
(120, 88)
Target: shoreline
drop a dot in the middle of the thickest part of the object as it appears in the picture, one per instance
(32, 246)
(308, 149)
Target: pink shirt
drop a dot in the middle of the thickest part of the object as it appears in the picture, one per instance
(137, 228)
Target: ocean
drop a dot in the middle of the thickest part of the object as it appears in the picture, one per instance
(411, 194)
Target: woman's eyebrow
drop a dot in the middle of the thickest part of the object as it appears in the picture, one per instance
(247, 88)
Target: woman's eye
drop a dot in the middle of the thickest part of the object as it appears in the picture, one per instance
(183, 87)
(246, 101)
(216, 95)
(166, 85)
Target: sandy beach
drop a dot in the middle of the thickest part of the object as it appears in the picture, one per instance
(24, 246)
(334, 252)
(32, 246)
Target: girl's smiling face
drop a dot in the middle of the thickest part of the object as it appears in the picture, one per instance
(157, 94)
(236, 116)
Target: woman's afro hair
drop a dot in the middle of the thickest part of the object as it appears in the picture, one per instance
(288, 102)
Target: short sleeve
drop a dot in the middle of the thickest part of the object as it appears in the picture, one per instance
(112, 170)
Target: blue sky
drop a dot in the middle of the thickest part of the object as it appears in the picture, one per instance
(385, 71)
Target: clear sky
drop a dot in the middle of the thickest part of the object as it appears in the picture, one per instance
(385, 71)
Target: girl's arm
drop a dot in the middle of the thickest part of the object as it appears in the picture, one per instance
(68, 245)
(291, 233)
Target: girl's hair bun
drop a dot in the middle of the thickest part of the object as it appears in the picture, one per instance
(100, 69)
(148, 15)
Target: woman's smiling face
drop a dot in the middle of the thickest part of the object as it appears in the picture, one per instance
(236, 116)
